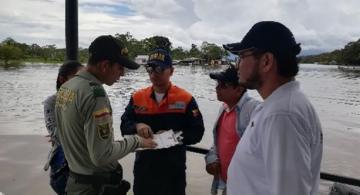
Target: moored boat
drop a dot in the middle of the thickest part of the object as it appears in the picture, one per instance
(347, 68)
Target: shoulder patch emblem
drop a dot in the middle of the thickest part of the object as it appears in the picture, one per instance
(139, 108)
(63, 97)
(103, 121)
(101, 112)
(177, 106)
(196, 112)
(98, 91)
(103, 130)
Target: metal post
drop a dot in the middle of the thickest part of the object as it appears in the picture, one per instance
(71, 29)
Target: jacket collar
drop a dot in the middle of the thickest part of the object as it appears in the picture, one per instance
(152, 94)
(242, 100)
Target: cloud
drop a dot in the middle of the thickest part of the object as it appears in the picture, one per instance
(319, 25)
(32, 21)
(112, 9)
(178, 12)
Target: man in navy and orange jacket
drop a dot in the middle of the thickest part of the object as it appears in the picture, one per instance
(161, 107)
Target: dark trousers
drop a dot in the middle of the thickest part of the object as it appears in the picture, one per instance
(159, 181)
(59, 172)
(109, 183)
(58, 180)
(75, 188)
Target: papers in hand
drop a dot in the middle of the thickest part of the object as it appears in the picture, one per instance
(167, 139)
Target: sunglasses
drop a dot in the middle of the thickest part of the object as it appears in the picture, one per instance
(156, 69)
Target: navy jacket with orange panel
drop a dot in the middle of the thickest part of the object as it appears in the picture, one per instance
(178, 111)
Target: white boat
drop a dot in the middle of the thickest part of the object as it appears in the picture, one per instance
(347, 68)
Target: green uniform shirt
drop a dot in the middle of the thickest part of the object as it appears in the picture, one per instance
(85, 126)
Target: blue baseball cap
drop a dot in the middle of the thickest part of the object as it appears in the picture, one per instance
(160, 57)
(269, 36)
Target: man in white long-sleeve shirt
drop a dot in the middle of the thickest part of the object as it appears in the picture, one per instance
(281, 150)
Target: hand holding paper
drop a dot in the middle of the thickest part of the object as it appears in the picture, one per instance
(167, 139)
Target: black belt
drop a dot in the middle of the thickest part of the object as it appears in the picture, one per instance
(113, 177)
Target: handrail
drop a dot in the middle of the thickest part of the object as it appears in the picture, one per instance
(324, 176)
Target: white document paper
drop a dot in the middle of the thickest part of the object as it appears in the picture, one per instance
(167, 139)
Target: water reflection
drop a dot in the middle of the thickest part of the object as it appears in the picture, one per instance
(12, 66)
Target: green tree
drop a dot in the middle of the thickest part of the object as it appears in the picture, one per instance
(9, 41)
(124, 38)
(194, 51)
(134, 46)
(178, 53)
(351, 53)
(83, 55)
(48, 52)
(157, 42)
(9, 53)
(24, 47)
(211, 51)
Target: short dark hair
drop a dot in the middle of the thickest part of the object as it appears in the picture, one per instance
(68, 68)
(288, 65)
(93, 60)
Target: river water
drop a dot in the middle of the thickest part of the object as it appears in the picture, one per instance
(334, 94)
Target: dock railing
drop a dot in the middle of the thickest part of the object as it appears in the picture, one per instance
(324, 176)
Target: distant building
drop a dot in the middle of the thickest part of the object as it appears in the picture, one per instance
(222, 61)
(175, 62)
(141, 59)
(192, 61)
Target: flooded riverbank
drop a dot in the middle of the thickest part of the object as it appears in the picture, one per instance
(335, 95)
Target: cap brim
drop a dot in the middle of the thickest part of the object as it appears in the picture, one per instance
(158, 63)
(236, 48)
(217, 76)
(127, 63)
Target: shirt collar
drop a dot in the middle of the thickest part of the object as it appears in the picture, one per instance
(242, 100)
(88, 76)
(152, 95)
(228, 109)
(239, 104)
(280, 91)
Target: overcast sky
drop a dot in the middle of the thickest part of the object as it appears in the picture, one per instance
(321, 25)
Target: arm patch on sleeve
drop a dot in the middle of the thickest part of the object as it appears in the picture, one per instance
(103, 122)
(103, 130)
(196, 112)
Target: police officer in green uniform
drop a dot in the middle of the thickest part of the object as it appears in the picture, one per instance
(85, 124)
